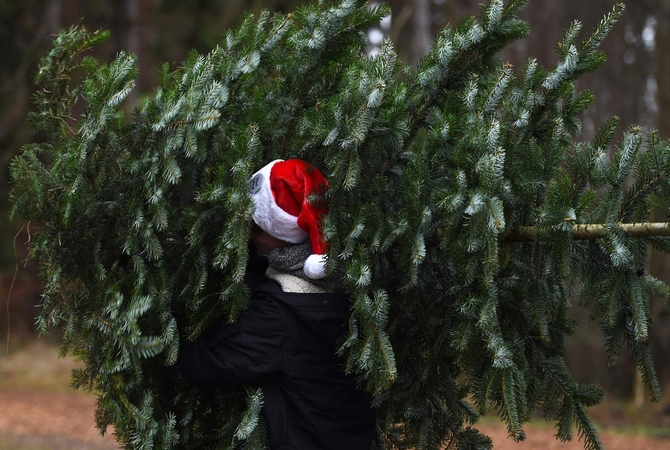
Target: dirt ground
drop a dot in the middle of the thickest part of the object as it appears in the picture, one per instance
(543, 438)
(50, 421)
(38, 411)
(32, 420)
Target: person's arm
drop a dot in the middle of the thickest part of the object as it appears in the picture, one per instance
(237, 353)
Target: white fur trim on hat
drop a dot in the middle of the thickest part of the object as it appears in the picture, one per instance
(268, 215)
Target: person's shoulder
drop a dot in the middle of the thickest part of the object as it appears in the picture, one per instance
(257, 282)
(316, 301)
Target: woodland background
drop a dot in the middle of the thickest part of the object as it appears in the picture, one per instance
(634, 84)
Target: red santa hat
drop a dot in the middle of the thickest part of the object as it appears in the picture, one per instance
(280, 192)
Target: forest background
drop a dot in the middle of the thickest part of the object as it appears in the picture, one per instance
(634, 84)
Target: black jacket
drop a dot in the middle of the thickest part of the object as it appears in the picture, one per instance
(287, 342)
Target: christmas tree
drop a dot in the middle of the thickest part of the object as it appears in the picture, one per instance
(465, 213)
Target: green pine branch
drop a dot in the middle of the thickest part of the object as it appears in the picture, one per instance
(462, 208)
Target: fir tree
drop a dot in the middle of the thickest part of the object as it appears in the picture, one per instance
(438, 177)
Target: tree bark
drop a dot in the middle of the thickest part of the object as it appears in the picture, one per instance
(131, 11)
(662, 56)
(595, 231)
(412, 29)
(17, 90)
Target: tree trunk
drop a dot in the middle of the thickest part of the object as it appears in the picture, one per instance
(586, 231)
(131, 12)
(16, 91)
(412, 28)
(662, 55)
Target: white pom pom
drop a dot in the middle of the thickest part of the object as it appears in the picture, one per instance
(315, 267)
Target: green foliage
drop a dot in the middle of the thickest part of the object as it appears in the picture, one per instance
(143, 222)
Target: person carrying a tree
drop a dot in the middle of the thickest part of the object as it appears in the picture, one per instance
(286, 339)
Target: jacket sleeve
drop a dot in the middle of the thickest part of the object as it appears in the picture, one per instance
(237, 353)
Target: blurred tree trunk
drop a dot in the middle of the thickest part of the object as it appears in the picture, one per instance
(131, 10)
(662, 54)
(17, 88)
(455, 9)
(423, 31)
(416, 22)
(411, 28)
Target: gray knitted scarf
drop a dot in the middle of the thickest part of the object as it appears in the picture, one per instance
(291, 259)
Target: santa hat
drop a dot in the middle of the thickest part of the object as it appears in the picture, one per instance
(280, 193)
